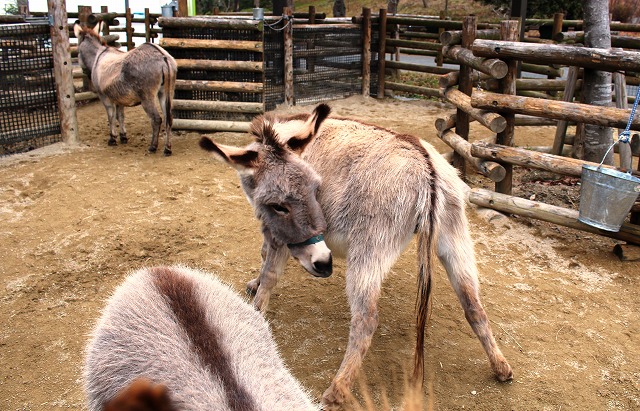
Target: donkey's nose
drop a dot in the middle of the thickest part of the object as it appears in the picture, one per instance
(323, 268)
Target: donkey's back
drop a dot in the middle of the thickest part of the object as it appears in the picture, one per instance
(186, 330)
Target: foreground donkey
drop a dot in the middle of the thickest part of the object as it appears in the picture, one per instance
(187, 331)
(121, 79)
(368, 190)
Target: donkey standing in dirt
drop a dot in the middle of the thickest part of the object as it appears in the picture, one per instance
(121, 79)
(365, 191)
(174, 338)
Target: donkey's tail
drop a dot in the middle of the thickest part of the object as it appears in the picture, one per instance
(426, 241)
(169, 86)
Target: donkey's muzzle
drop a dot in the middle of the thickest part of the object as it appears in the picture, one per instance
(323, 269)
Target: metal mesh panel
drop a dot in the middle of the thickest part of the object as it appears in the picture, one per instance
(28, 105)
(273, 68)
(215, 75)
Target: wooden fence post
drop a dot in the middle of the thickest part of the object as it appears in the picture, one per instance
(105, 26)
(62, 71)
(366, 51)
(83, 14)
(129, 29)
(147, 25)
(289, 97)
(465, 85)
(509, 32)
(382, 39)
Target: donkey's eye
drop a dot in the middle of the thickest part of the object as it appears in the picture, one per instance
(279, 209)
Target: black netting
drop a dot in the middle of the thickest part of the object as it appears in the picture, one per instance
(216, 75)
(28, 104)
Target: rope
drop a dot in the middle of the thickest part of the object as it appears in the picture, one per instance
(625, 136)
(273, 25)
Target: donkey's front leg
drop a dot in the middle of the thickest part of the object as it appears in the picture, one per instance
(274, 260)
(111, 117)
(363, 300)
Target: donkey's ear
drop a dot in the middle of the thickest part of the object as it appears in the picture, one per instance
(239, 158)
(98, 28)
(299, 141)
(77, 30)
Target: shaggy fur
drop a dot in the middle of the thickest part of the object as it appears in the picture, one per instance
(376, 189)
(186, 330)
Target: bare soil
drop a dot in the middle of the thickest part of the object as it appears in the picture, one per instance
(75, 220)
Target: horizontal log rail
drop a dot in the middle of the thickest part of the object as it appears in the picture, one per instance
(212, 44)
(494, 67)
(493, 121)
(224, 106)
(559, 110)
(454, 37)
(527, 158)
(228, 86)
(425, 91)
(219, 65)
(545, 212)
(594, 58)
(210, 22)
(420, 45)
(431, 23)
(490, 169)
(211, 125)
(417, 67)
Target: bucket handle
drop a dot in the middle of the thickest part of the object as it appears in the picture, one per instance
(625, 136)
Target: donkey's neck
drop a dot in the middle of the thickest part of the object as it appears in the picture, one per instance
(89, 49)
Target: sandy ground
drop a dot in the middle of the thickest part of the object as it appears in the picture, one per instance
(563, 308)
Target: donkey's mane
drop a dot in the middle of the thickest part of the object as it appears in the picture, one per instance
(262, 129)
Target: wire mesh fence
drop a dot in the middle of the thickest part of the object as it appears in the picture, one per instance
(28, 105)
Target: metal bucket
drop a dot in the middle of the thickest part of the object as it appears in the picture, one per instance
(258, 14)
(606, 197)
(167, 10)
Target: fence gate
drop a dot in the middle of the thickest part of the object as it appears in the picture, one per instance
(28, 105)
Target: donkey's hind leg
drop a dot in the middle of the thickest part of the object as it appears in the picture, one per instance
(150, 108)
(123, 130)
(455, 251)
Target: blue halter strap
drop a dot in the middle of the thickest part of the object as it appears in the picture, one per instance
(313, 240)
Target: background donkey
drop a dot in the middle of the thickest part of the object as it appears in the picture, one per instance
(128, 79)
(368, 190)
(188, 331)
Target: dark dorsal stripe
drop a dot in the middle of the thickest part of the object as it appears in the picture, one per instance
(181, 295)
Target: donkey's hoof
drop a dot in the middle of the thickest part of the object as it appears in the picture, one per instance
(503, 371)
(252, 287)
(152, 149)
(112, 142)
(167, 152)
(124, 139)
(332, 399)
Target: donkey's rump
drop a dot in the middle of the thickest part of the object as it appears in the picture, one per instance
(188, 331)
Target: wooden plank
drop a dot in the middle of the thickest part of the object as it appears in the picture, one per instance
(492, 170)
(366, 52)
(425, 91)
(493, 121)
(545, 212)
(418, 67)
(243, 45)
(63, 72)
(219, 65)
(211, 125)
(210, 22)
(226, 106)
(494, 67)
(211, 85)
(593, 58)
(559, 110)
(522, 157)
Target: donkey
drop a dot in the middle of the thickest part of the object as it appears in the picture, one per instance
(324, 185)
(178, 338)
(128, 79)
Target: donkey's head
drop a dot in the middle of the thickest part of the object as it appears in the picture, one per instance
(88, 42)
(281, 187)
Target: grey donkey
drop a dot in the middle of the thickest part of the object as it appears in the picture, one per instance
(124, 79)
(174, 338)
(323, 185)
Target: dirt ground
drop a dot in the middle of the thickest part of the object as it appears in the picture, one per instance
(564, 309)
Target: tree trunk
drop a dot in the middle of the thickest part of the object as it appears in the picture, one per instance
(596, 87)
